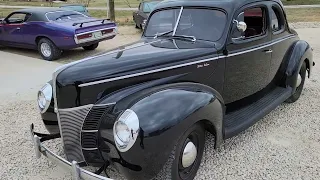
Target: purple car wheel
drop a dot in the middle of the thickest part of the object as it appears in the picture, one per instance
(48, 50)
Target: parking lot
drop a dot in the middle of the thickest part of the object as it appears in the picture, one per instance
(284, 145)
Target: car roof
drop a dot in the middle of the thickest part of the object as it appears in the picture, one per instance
(38, 14)
(224, 4)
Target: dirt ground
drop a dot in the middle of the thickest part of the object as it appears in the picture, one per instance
(283, 145)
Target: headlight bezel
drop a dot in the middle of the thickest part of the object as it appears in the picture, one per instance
(46, 91)
(130, 119)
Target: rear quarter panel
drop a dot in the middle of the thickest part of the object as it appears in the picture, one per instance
(61, 36)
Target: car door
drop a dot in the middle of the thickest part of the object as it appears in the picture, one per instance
(280, 38)
(249, 55)
(12, 29)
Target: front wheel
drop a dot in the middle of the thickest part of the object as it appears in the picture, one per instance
(300, 83)
(91, 47)
(48, 50)
(186, 156)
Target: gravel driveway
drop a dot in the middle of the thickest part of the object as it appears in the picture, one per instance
(284, 145)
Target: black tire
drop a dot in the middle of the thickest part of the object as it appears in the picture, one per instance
(91, 47)
(297, 93)
(173, 169)
(54, 53)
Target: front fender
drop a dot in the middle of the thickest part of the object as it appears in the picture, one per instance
(165, 113)
(301, 52)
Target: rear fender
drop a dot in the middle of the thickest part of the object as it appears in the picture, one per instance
(301, 52)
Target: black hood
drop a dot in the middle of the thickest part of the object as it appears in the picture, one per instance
(136, 57)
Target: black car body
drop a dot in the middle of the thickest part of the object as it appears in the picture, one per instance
(143, 108)
(140, 17)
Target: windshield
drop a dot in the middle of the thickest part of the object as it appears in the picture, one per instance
(149, 6)
(64, 15)
(203, 24)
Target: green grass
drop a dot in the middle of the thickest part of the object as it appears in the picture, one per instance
(122, 17)
(300, 2)
(5, 12)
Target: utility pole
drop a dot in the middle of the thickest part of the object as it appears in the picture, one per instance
(111, 10)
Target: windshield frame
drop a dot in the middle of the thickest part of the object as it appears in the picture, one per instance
(179, 16)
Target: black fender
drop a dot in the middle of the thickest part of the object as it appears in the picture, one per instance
(301, 52)
(164, 113)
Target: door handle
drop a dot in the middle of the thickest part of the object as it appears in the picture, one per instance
(268, 51)
(18, 28)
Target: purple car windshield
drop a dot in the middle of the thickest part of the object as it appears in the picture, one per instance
(64, 15)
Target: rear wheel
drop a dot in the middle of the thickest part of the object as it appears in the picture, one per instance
(48, 50)
(186, 156)
(91, 47)
(300, 83)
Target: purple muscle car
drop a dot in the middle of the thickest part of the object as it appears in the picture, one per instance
(52, 30)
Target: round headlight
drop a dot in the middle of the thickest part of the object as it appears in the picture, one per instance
(125, 130)
(44, 97)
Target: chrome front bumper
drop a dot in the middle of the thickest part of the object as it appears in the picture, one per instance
(77, 172)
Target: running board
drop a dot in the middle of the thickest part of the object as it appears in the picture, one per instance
(238, 121)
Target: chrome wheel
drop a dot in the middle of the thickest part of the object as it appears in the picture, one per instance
(299, 80)
(45, 49)
(189, 155)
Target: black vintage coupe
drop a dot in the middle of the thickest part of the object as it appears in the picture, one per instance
(216, 66)
(140, 17)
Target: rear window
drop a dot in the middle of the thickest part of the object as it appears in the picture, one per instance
(64, 15)
(75, 8)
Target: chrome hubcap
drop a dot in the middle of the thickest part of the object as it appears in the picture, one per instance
(299, 79)
(189, 155)
(45, 49)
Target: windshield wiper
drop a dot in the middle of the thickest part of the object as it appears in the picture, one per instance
(191, 38)
(162, 34)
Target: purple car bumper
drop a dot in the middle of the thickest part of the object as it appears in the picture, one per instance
(96, 37)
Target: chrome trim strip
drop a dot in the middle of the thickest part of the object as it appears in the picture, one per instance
(181, 65)
(89, 131)
(96, 31)
(93, 39)
(108, 104)
(146, 72)
(76, 108)
(89, 149)
(177, 22)
(260, 47)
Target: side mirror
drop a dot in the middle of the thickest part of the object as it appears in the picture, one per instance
(241, 26)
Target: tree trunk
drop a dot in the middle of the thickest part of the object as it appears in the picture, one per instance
(112, 15)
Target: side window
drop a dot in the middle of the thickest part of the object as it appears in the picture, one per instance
(17, 18)
(255, 18)
(276, 20)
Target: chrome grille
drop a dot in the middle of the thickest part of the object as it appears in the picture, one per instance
(71, 121)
